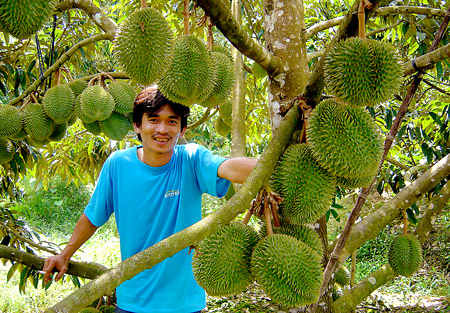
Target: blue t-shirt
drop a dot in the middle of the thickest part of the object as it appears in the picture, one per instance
(150, 204)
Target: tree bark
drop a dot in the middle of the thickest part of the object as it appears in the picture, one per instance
(190, 236)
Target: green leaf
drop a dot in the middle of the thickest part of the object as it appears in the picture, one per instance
(11, 271)
(436, 118)
(411, 216)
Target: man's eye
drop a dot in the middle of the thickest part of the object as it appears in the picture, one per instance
(173, 122)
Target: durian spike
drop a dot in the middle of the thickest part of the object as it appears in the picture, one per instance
(143, 4)
(405, 222)
(186, 17)
(267, 218)
(247, 216)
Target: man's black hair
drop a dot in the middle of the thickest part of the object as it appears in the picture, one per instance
(150, 100)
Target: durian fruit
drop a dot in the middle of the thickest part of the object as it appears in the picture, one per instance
(224, 81)
(221, 127)
(226, 111)
(58, 103)
(59, 131)
(258, 71)
(345, 140)
(288, 270)
(6, 151)
(354, 182)
(143, 45)
(36, 123)
(221, 265)
(342, 276)
(94, 127)
(299, 232)
(116, 127)
(10, 121)
(23, 18)
(123, 94)
(307, 188)
(78, 86)
(190, 77)
(96, 103)
(79, 113)
(107, 309)
(405, 254)
(224, 50)
(363, 72)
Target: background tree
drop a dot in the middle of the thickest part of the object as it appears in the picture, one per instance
(289, 40)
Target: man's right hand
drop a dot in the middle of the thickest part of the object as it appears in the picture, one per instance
(55, 263)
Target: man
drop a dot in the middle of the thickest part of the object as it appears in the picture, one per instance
(155, 190)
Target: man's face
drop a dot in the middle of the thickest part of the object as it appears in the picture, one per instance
(160, 132)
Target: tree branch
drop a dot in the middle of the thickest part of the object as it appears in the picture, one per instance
(59, 63)
(223, 18)
(192, 235)
(385, 274)
(428, 60)
(80, 269)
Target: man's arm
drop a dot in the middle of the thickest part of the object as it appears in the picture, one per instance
(236, 170)
(82, 232)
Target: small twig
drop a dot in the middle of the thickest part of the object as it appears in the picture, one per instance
(186, 17)
(267, 219)
(362, 20)
(247, 217)
(405, 222)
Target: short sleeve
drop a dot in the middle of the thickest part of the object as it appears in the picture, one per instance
(100, 206)
(206, 165)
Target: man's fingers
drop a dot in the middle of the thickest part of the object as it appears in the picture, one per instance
(62, 271)
(48, 266)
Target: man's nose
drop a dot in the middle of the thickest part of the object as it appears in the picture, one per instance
(161, 127)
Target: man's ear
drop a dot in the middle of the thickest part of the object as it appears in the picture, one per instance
(137, 128)
(183, 131)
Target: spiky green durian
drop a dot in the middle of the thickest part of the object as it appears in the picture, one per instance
(96, 103)
(345, 140)
(226, 111)
(20, 135)
(288, 270)
(123, 94)
(58, 103)
(354, 182)
(94, 127)
(363, 72)
(221, 127)
(307, 189)
(143, 45)
(58, 132)
(190, 77)
(299, 232)
(258, 71)
(221, 265)
(342, 276)
(405, 254)
(223, 82)
(89, 310)
(36, 123)
(224, 50)
(107, 309)
(78, 86)
(23, 18)
(10, 121)
(6, 151)
(116, 126)
(79, 113)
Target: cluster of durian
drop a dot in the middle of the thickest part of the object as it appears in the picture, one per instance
(184, 69)
(405, 254)
(100, 110)
(287, 264)
(23, 18)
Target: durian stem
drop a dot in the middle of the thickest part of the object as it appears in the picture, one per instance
(143, 4)
(362, 20)
(247, 217)
(107, 75)
(34, 98)
(352, 275)
(267, 218)
(210, 33)
(276, 220)
(306, 109)
(186, 17)
(405, 222)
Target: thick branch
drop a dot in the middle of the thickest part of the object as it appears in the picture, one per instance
(80, 269)
(59, 63)
(191, 235)
(95, 14)
(383, 275)
(223, 18)
(428, 60)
